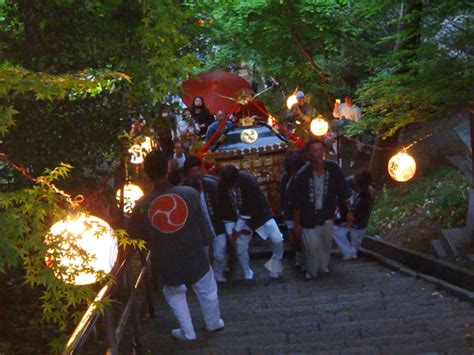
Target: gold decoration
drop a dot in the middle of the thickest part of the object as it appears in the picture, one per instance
(248, 136)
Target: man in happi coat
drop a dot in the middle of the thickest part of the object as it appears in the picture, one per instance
(244, 209)
(172, 221)
(317, 190)
(207, 187)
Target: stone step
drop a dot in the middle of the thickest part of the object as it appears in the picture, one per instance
(361, 307)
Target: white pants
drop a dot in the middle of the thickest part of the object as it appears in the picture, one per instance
(348, 248)
(317, 243)
(268, 230)
(342, 242)
(206, 292)
(219, 251)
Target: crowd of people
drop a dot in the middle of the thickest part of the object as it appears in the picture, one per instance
(191, 217)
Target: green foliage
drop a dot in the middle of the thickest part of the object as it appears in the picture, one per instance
(66, 98)
(438, 198)
(404, 68)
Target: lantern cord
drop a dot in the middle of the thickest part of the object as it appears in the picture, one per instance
(357, 141)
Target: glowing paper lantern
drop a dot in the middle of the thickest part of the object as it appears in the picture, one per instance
(138, 152)
(270, 121)
(78, 235)
(147, 145)
(290, 101)
(401, 167)
(131, 194)
(319, 127)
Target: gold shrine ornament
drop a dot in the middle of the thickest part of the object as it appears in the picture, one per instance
(131, 194)
(319, 127)
(402, 167)
(248, 136)
(74, 240)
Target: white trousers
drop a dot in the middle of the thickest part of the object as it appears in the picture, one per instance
(348, 248)
(342, 242)
(317, 243)
(219, 251)
(268, 230)
(206, 292)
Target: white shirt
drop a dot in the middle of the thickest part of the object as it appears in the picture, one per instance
(349, 112)
(180, 160)
(318, 182)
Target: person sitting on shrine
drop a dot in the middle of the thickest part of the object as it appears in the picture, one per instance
(361, 207)
(317, 189)
(244, 209)
(220, 118)
(173, 223)
(201, 114)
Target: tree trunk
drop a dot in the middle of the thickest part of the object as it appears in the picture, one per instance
(321, 74)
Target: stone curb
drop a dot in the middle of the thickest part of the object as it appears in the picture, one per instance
(422, 263)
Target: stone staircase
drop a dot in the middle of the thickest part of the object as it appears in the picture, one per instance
(361, 307)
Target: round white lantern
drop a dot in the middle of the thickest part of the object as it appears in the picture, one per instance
(401, 167)
(78, 234)
(131, 194)
(290, 101)
(319, 127)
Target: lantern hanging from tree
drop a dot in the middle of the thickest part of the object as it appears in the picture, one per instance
(290, 101)
(401, 167)
(131, 194)
(319, 127)
(82, 249)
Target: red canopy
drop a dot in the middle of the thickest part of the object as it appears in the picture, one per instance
(217, 88)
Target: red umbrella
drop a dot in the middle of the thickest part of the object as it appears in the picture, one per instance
(217, 89)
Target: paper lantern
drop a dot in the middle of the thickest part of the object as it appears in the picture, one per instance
(401, 167)
(131, 194)
(319, 127)
(270, 121)
(78, 235)
(290, 101)
(138, 152)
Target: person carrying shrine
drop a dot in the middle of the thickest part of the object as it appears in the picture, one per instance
(317, 190)
(207, 187)
(173, 223)
(244, 209)
(361, 206)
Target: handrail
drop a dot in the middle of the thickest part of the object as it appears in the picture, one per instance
(90, 317)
